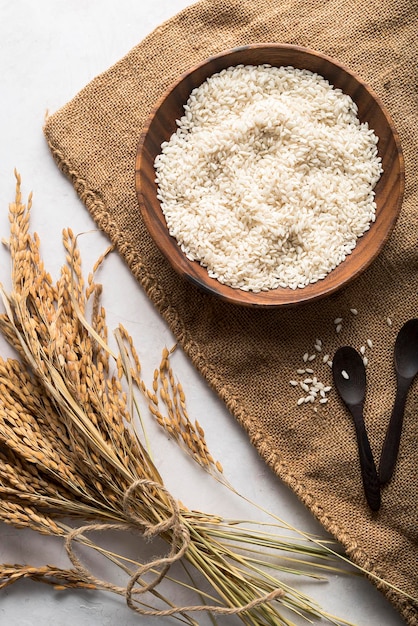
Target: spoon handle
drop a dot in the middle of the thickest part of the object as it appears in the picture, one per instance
(369, 474)
(390, 448)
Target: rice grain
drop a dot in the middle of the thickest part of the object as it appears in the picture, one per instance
(268, 180)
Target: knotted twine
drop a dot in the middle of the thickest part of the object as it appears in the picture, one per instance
(249, 356)
(180, 540)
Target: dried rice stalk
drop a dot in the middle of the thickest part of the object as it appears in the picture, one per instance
(69, 448)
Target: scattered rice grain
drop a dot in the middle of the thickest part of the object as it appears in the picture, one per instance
(344, 374)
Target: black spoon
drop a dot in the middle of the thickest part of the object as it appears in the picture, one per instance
(350, 380)
(406, 366)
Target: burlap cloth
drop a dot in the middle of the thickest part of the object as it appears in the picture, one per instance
(249, 356)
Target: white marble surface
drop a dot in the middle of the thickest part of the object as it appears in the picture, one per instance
(49, 50)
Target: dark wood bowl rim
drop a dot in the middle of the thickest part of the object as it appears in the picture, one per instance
(267, 299)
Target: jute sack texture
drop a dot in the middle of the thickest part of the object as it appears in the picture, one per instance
(249, 356)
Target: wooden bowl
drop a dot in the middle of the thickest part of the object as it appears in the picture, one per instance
(389, 190)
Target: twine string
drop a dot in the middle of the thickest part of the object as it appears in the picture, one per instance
(180, 542)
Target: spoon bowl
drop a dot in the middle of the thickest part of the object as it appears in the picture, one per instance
(350, 381)
(406, 350)
(349, 375)
(406, 367)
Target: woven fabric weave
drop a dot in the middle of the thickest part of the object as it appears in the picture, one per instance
(249, 356)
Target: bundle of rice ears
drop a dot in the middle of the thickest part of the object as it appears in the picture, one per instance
(74, 458)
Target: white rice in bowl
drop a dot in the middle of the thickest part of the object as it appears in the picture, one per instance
(268, 181)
